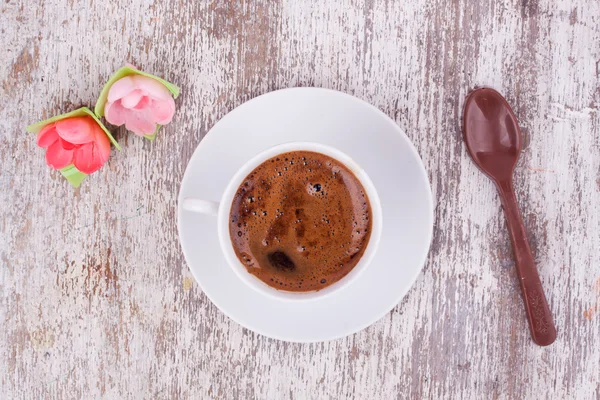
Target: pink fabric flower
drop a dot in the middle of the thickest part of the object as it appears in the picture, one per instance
(79, 141)
(140, 103)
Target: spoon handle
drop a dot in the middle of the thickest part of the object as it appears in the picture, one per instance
(541, 325)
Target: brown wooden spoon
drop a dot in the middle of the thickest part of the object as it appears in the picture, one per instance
(494, 142)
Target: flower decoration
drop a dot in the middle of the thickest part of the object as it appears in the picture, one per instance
(140, 101)
(76, 143)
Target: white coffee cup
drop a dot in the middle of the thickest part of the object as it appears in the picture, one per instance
(222, 210)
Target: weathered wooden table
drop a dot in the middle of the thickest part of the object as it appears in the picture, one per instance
(97, 300)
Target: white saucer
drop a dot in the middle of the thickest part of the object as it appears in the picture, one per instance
(377, 144)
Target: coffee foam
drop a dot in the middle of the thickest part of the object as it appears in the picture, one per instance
(300, 221)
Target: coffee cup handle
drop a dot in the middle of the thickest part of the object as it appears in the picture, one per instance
(201, 206)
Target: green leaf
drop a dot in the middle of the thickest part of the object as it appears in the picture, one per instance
(153, 136)
(81, 112)
(121, 73)
(73, 175)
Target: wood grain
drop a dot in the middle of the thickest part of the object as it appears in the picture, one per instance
(96, 298)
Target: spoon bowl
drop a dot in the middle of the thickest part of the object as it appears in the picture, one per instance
(492, 134)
